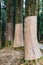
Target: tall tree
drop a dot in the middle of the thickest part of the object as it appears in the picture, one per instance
(0, 34)
(3, 17)
(41, 22)
(0, 24)
(0, 10)
(18, 38)
(32, 51)
(38, 23)
(9, 23)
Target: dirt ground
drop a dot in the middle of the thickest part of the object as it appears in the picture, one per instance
(9, 56)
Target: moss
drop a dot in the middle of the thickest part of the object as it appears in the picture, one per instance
(33, 62)
(41, 60)
(8, 43)
(19, 48)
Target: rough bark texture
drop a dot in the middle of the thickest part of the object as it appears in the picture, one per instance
(30, 8)
(18, 39)
(9, 11)
(32, 50)
(9, 23)
(0, 42)
(0, 37)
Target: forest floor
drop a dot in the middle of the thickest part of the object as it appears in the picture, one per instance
(9, 56)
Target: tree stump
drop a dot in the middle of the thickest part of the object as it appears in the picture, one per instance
(32, 50)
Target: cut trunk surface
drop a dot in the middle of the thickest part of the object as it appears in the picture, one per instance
(32, 50)
(18, 39)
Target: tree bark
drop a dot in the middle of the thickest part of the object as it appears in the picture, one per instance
(0, 34)
(9, 34)
(9, 31)
(9, 24)
(30, 8)
(32, 50)
(18, 38)
(0, 26)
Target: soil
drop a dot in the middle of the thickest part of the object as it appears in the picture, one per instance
(8, 56)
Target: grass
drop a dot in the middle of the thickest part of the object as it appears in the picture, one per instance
(34, 62)
(8, 43)
(19, 48)
(41, 60)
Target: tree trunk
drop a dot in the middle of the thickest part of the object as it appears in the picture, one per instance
(0, 34)
(0, 25)
(9, 34)
(30, 9)
(9, 24)
(18, 38)
(32, 50)
(37, 7)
